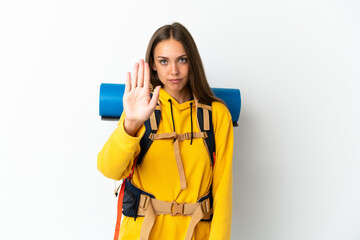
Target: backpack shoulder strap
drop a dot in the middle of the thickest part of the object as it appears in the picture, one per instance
(205, 124)
(151, 126)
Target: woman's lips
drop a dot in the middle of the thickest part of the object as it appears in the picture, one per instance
(175, 80)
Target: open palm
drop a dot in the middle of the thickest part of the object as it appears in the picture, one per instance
(138, 105)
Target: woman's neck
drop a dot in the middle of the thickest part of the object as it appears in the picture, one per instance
(180, 96)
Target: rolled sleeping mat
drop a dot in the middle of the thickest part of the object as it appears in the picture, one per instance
(232, 99)
(111, 96)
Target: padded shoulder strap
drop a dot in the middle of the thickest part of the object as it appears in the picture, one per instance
(204, 117)
(150, 127)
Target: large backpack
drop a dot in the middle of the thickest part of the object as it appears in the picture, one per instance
(129, 195)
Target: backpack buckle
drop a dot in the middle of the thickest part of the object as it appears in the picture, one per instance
(205, 206)
(176, 209)
(151, 136)
(144, 201)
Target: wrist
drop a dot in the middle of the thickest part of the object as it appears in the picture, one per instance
(132, 127)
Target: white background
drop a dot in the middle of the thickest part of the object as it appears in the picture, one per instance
(296, 158)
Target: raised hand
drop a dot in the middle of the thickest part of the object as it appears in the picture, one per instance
(138, 105)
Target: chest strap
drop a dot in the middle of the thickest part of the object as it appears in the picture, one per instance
(150, 207)
(178, 138)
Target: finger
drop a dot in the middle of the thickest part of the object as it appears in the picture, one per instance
(134, 76)
(127, 83)
(141, 74)
(147, 76)
(155, 96)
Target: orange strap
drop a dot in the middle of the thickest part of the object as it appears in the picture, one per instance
(119, 210)
(120, 202)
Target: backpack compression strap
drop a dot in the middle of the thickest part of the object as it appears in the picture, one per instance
(178, 138)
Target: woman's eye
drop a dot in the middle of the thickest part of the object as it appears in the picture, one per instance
(183, 60)
(163, 61)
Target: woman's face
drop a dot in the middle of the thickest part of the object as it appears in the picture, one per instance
(172, 66)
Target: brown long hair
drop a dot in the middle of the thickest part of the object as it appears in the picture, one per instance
(198, 83)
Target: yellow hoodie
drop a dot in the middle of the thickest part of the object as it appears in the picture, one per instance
(158, 173)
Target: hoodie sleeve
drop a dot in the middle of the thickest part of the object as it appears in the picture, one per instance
(223, 179)
(117, 156)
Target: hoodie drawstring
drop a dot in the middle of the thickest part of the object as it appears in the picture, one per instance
(172, 116)
(192, 135)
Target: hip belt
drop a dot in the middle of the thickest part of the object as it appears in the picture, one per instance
(138, 203)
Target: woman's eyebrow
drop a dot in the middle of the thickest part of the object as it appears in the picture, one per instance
(177, 57)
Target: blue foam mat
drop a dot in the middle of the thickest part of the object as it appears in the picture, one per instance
(111, 105)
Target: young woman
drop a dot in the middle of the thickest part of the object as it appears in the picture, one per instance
(179, 142)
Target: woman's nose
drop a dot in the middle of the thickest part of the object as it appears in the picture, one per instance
(174, 69)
